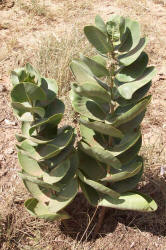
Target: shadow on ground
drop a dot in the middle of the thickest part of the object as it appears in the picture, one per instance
(80, 228)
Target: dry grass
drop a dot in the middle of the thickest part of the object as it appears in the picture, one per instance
(34, 7)
(52, 10)
(55, 54)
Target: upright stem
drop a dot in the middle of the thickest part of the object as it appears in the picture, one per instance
(111, 56)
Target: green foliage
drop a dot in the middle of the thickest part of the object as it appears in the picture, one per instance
(45, 152)
(110, 97)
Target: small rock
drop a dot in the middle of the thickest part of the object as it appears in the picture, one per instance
(9, 151)
(7, 122)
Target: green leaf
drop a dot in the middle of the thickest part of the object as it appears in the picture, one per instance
(92, 91)
(98, 186)
(115, 29)
(29, 150)
(131, 35)
(98, 39)
(40, 183)
(16, 75)
(74, 162)
(100, 59)
(51, 89)
(86, 106)
(126, 171)
(52, 121)
(57, 202)
(87, 133)
(27, 92)
(22, 108)
(64, 197)
(127, 113)
(127, 184)
(127, 90)
(102, 128)
(54, 147)
(96, 68)
(64, 154)
(81, 72)
(134, 70)
(33, 72)
(127, 142)
(102, 84)
(26, 117)
(129, 201)
(100, 154)
(138, 95)
(132, 55)
(57, 173)
(100, 24)
(129, 155)
(39, 209)
(14, 78)
(93, 169)
(132, 125)
(29, 165)
(90, 193)
(52, 85)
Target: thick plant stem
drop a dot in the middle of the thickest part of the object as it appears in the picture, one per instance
(110, 142)
(99, 222)
(111, 83)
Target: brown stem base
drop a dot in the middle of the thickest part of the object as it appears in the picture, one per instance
(99, 222)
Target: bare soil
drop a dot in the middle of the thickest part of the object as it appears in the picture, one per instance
(22, 26)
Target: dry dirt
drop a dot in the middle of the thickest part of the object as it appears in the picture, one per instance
(23, 24)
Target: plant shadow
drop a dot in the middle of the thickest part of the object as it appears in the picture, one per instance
(84, 217)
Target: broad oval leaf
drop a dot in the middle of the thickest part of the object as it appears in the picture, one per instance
(127, 90)
(55, 146)
(134, 70)
(92, 91)
(126, 171)
(98, 186)
(132, 55)
(96, 68)
(29, 165)
(131, 35)
(21, 108)
(86, 106)
(24, 92)
(90, 167)
(129, 201)
(101, 155)
(128, 141)
(100, 59)
(40, 210)
(127, 113)
(103, 128)
(90, 193)
(81, 72)
(98, 39)
(57, 173)
(100, 24)
(26, 177)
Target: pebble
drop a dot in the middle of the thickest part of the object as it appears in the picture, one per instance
(9, 151)
(8, 122)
